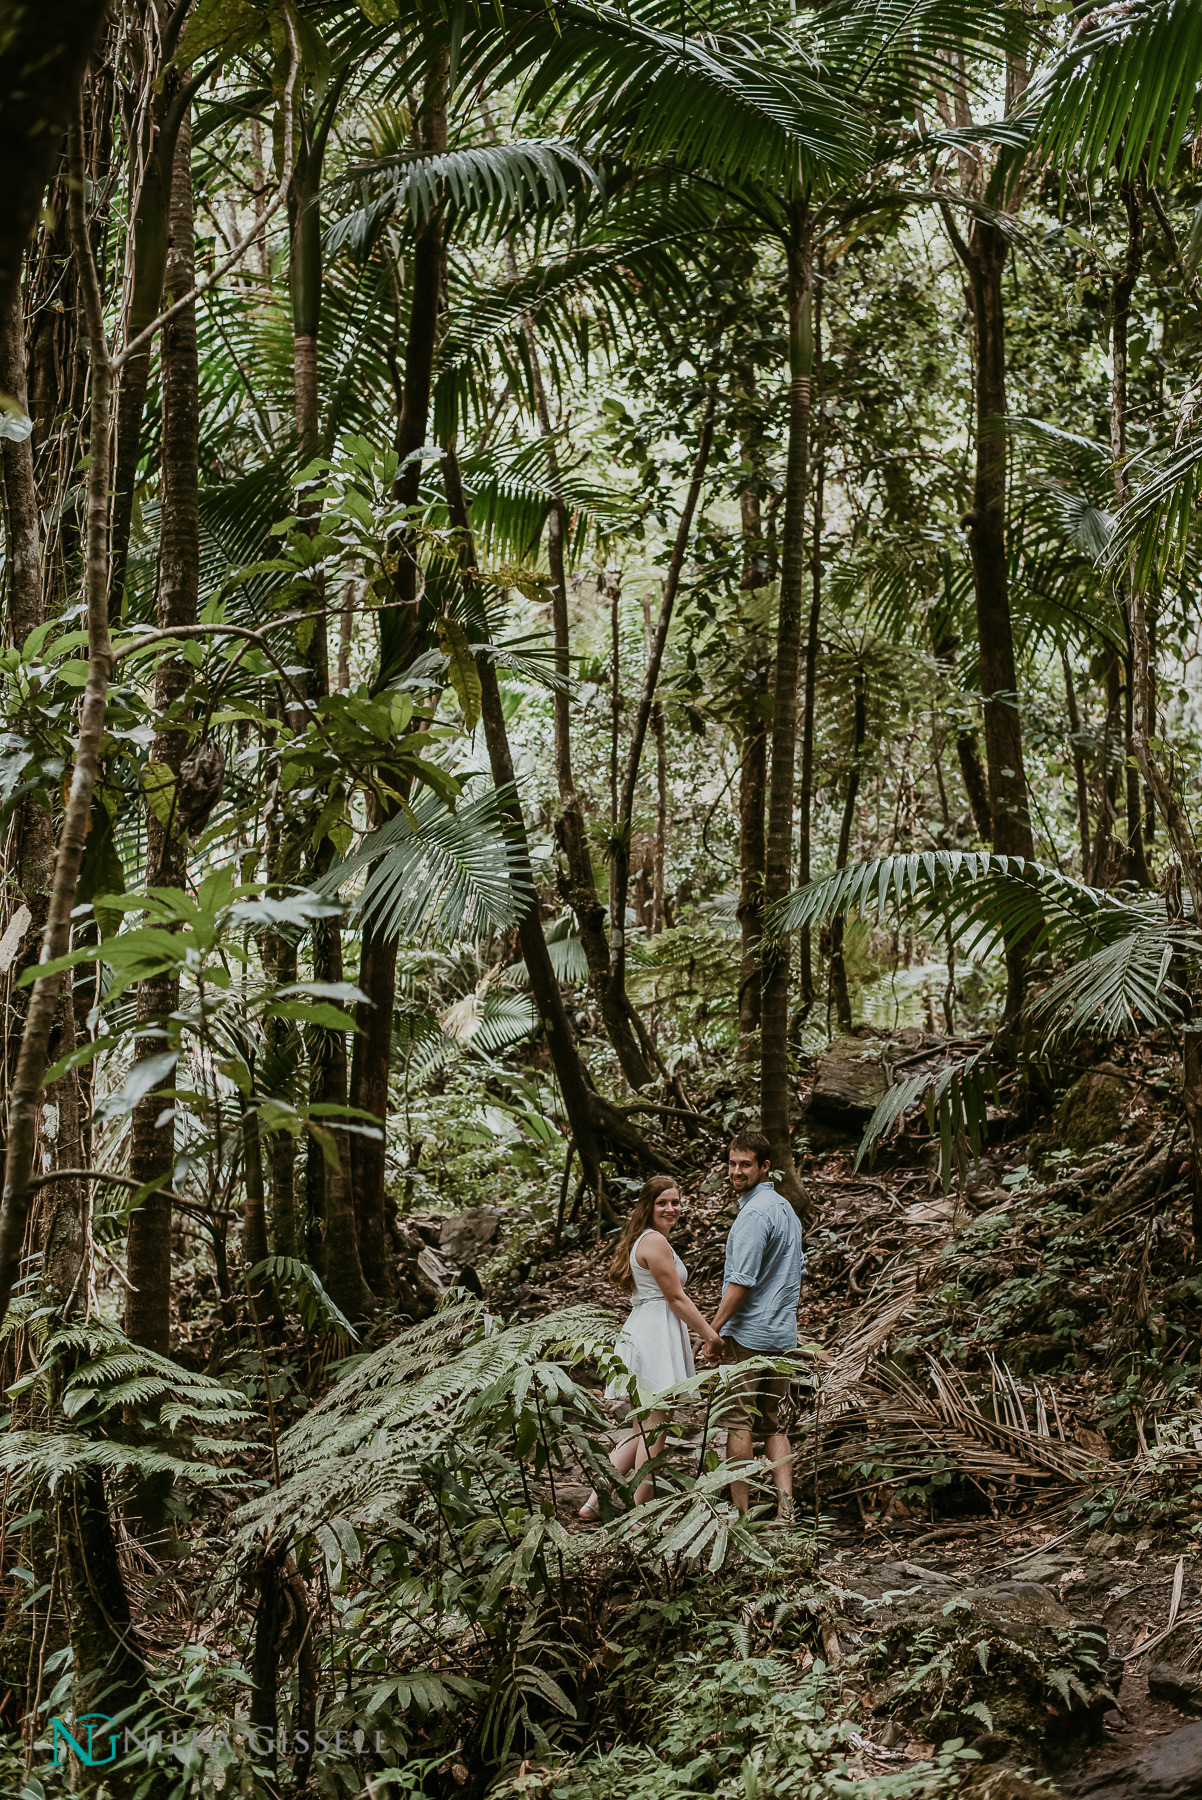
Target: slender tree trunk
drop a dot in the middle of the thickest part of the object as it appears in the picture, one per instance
(544, 986)
(170, 98)
(23, 540)
(371, 1051)
(976, 784)
(61, 1210)
(1124, 287)
(254, 1220)
(152, 1147)
(753, 753)
(1101, 872)
(578, 883)
(1082, 787)
(371, 1056)
(987, 251)
(1190, 865)
(590, 1118)
(659, 734)
(617, 915)
(343, 1271)
(282, 1044)
(859, 733)
(625, 815)
(774, 1067)
(658, 868)
(753, 784)
(44, 52)
(111, 1670)
(26, 1090)
(805, 948)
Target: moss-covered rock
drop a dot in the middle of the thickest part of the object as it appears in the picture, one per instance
(1008, 1668)
(1092, 1112)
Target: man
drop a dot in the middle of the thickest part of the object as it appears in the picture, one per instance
(758, 1313)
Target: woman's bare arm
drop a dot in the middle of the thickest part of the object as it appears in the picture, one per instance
(655, 1254)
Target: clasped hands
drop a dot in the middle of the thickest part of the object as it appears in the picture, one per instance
(714, 1353)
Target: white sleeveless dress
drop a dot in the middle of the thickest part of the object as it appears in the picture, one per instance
(653, 1343)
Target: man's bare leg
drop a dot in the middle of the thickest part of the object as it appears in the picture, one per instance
(739, 1449)
(780, 1455)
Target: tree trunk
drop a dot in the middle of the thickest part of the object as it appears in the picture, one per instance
(589, 1116)
(371, 1057)
(152, 1147)
(331, 1234)
(806, 797)
(25, 1091)
(774, 1068)
(328, 1086)
(1082, 787)
(43, 55)
(859, 733)
(976, 785)
(111, 1674)
(624, 822)
(753, 782)
(400, 633)
(987, 249)
(170, 99)
(254, 1221)
(1101, 872)
(61, 1209)
(578, 883)
(753, 759)
(659, 859)
(1124, 287)
(280, 1066)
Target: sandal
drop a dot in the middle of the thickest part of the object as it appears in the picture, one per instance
(590, 1512)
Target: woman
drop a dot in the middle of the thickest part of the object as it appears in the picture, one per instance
(654, 1342)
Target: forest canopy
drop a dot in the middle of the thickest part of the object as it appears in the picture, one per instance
(579, 577)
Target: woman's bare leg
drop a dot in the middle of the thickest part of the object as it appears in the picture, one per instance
(622, 1456)
(653, 1423)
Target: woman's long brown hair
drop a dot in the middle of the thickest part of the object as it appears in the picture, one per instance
(638, 1222)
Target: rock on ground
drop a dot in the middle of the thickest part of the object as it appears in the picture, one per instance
(1182, 1688)
(1006, 1667)
(1168, 1770)
(849, 1081)
(464, 1235)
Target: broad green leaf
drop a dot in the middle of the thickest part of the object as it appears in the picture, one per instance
(158, 784)
(462, 671)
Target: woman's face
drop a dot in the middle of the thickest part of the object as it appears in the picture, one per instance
(667, 1211)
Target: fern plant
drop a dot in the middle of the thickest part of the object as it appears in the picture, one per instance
(91, 1376)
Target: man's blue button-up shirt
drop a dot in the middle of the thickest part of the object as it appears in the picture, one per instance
(763, 1253)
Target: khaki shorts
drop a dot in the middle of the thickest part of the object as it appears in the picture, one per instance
(756, 1398)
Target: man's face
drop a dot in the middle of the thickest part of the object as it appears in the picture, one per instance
(745, 1172)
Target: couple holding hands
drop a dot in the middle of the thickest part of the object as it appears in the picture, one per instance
(757, 1316)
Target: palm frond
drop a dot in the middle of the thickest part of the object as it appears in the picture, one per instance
(433, 870)
(740, 105)
(496, 182)
(1155, 527)
(966, 889)
(1126, 985)
(1125, 91)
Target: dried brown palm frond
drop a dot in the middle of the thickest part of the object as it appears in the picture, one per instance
(1010, 1436)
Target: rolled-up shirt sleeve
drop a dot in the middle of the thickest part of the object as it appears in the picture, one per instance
(745, 1250)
